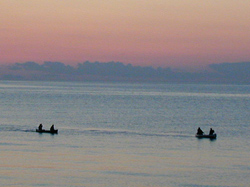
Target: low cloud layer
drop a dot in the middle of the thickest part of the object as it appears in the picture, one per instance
(117, 71)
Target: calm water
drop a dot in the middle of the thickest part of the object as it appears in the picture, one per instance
(119, 134)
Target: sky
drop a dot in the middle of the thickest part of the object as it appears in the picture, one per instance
(159, 33)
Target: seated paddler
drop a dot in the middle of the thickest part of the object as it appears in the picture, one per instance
(199, 131)
(40, 127)
(211, 132)
(52, 128)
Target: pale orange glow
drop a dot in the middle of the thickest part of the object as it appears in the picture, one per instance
(158, 33)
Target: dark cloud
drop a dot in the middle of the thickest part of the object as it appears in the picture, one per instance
(57, 67)
(27, 66)
(120, 70)
(234, 72)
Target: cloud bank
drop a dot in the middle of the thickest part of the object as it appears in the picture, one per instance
(117, 71)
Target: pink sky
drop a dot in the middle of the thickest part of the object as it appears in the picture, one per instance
(166, 33)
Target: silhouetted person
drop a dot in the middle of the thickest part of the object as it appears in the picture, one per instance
(199, 131)
(211, 132)
(40, 127)
(52, 128)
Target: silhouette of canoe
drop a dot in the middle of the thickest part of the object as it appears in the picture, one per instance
(213, 136)
(47, 131)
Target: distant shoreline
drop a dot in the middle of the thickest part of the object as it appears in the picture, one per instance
(224, 73)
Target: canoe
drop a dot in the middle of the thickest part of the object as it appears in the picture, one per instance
(47, 131)
(213, 136)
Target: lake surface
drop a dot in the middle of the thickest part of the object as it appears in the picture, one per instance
(124, 134)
